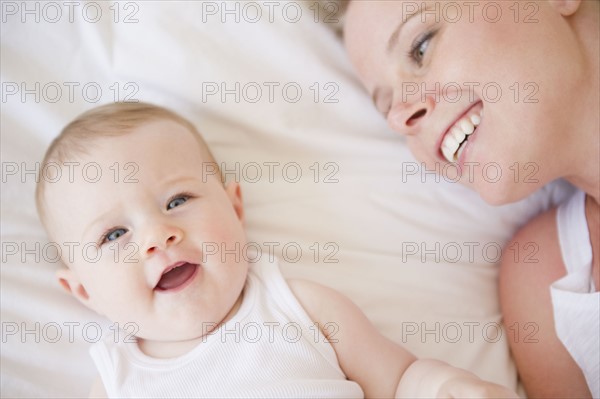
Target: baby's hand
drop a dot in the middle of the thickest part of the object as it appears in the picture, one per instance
(473, 387)
(435, 379)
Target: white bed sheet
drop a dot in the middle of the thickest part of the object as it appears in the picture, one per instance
(373, 215)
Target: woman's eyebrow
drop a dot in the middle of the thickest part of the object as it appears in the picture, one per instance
(375, 95)
(375, 98)
(393, 40)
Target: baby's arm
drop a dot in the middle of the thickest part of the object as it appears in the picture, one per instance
(98, 390)
(381, 367)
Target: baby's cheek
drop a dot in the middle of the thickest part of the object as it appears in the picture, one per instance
(228, 237)
(224, 228)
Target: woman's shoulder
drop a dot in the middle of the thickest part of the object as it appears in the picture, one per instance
(566, 214)
(537, 241)
(547, 234)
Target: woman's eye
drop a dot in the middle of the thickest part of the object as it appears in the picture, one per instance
(113, 235)
(419, 47)
(420, 53)
(177, 201)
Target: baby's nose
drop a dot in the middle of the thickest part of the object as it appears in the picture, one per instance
(161, 238)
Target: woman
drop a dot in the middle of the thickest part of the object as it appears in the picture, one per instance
(508, 93)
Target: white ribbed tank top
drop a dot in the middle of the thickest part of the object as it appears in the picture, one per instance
(576, 304)
(269, 349)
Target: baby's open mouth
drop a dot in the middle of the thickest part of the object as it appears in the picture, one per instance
(455, 139)
(176, 276)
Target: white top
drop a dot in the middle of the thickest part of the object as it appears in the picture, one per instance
(269, 349)
(574, 298)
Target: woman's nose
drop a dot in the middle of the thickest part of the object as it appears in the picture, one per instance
(407, 118)
(160, 237)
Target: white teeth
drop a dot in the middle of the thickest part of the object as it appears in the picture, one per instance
(449, 147)
(451, 143)
(455, 140)
(466, 125)
(448, 154)
(458, 134)
(460, 150)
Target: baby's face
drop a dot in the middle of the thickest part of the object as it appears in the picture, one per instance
(161, 226)
(429, 71)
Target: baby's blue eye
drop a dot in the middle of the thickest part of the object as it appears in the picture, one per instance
(176, 202)
(113, 235)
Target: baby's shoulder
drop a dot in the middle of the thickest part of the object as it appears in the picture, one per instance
(309, 294)
(323, 304)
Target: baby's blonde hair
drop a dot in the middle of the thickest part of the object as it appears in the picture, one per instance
(110, 120)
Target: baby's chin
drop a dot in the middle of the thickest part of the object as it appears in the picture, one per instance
(140, 332)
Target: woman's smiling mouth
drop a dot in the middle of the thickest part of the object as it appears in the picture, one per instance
(455, 139)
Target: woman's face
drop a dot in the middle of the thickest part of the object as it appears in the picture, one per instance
(512, 73)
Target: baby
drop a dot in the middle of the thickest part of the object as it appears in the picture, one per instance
(216, 325)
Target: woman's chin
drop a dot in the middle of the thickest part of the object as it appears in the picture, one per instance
(504, 191)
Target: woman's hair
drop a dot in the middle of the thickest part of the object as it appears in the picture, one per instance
(333, 13)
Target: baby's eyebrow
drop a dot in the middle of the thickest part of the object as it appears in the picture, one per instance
(178, 179)
(95, 222)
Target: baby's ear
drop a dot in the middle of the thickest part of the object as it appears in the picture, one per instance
(234, 192)
(565, 7)
(70, 282)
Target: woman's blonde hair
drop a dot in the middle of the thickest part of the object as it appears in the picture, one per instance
(333, 12)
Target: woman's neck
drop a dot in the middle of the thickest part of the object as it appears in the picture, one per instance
(585, 173)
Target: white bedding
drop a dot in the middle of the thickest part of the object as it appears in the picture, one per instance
(366, 206)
